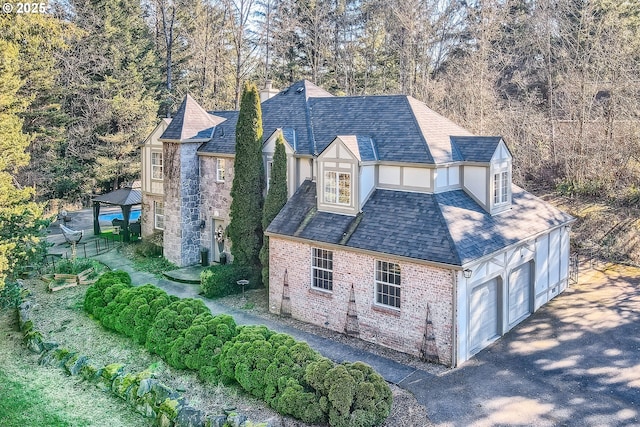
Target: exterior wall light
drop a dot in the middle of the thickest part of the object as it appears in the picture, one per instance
(466, 273)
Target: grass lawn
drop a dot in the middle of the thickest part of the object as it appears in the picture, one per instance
(24, 405)
(38, 396)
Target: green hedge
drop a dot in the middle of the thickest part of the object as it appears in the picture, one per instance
(290, 376)
(222, 280)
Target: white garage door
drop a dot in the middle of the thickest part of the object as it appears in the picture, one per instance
(483, 314)
(519, 293)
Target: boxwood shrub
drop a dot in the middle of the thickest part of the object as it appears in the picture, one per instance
(288, 375)
(222, 280)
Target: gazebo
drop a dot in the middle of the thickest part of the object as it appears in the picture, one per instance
(125, 198)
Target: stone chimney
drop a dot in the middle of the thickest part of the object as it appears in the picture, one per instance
(268, 91)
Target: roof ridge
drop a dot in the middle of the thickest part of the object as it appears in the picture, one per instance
(353, 225)
(417, 124)
(452, 242)
(307, 218)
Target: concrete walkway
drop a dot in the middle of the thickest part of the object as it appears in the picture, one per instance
(391, 370)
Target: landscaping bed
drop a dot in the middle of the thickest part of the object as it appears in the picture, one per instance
(61, 318)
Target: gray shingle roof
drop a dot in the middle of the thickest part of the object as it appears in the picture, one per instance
(388, 128)
(388, 120)
(191, 123)
(445, 228)
(224, 137)
(476, 148)
(476, 233)
(290, 109)
(361, 146)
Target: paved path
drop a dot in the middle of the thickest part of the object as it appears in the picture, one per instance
(392, 371)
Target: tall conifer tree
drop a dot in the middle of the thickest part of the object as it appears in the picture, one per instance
(20, 219)
(276, 199)
(245, 228)
(113, 86)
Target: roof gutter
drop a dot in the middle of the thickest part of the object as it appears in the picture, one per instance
(365, 251)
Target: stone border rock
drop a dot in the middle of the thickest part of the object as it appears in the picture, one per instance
(146, 394)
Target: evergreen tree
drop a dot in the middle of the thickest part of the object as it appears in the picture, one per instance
(245, 228)
(276, 199)
(113, 84)
(20, 219)
(41, 42)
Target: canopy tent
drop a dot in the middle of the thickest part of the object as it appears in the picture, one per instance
(125, 198)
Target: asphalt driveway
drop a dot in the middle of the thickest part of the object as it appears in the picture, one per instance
(575, 362)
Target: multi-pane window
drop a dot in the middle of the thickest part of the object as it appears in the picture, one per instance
(158, 215)
(156, 165)
(220, 170)
(500, 187)
(388, 284)
(322, 269)
(337, 188)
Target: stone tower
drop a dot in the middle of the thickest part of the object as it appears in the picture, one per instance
(189, 129)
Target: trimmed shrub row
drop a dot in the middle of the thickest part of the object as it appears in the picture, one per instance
(222, 280)
(288, 375)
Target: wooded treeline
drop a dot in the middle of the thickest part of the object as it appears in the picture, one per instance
(558, 79)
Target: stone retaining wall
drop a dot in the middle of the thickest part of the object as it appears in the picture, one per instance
(141, 390)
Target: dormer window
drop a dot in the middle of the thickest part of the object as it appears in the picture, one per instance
(500, 188)
(337, 188)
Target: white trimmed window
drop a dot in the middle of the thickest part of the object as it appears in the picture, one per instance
(388, 284)
(220, 163)
(322, 269)
(269, 167)
(337, 188)
(156, 165)
(500, 188)
(158, 215)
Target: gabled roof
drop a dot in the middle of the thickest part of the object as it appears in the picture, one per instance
(191, 123)
(362, 147)
(476, 148)
(446, 228)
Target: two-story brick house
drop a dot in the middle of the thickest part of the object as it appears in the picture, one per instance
(402, 228)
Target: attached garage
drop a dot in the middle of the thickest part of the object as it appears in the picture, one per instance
(484, 316)
(519, 293)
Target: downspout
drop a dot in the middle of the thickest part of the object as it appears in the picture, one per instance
(454, 330)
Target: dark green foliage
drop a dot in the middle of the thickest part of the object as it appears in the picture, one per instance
(201, 343)
(276, 199)
(171, 323)
(100, 293)
(221, 280)
(133, 311)
(289, 375)
(271, 366)
(245, 228)
(10, 295)
(353, 394)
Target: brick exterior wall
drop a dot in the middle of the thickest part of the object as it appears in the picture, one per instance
(401, 330)
(215, 198)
